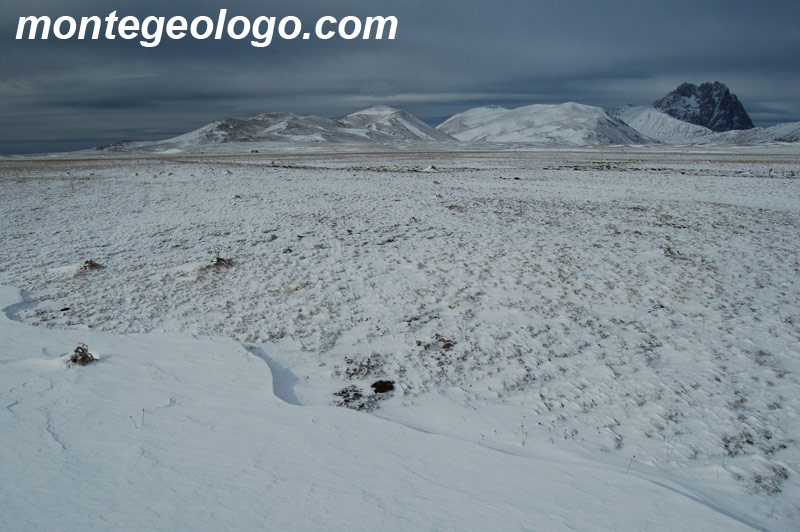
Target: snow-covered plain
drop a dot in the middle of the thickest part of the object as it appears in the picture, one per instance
(583, 339)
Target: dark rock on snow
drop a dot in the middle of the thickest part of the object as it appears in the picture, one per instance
(710, 105)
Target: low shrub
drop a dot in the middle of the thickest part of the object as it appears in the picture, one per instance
(81, 356)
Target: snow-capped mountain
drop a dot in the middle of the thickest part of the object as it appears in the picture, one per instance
(710, 105)
(659, 125)
(386, 123)
(471, 118)
(569, 124)
(379, 124)
(268, 127)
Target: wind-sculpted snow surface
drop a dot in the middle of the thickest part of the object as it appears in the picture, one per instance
(171, 432)
(632, 308)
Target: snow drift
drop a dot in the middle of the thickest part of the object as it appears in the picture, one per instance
(175, 432)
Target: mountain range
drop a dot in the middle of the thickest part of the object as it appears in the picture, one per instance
(705, 114)
(375, 124)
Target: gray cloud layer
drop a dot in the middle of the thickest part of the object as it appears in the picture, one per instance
(447, 57)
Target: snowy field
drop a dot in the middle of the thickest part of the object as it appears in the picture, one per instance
(584, 339)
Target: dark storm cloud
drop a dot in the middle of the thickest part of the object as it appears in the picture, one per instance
(447, 57)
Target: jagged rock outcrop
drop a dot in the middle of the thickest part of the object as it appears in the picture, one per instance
(710, 105)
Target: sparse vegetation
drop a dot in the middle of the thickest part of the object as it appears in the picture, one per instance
(81, 356)
(222, 262)
(362, 368)
(89, 266)
(352, 397)
(218, 264)
(585, 293)
(772, 482)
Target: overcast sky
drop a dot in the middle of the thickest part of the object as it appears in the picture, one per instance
(447, 57)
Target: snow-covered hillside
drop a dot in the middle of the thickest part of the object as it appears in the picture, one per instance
(378, 124)
(568, 124)
(788, 132)
(660, 126)
(664, 128)
(174, 432)
(472, 118)
(591, 339)
(386, 123)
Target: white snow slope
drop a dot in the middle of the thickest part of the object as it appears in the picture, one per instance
(568, 124)
(381, 121)
(658, 125)
(174, 432)
(583, 339)
(788, 132)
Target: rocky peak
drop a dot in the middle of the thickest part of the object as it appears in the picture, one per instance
(710, 105)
